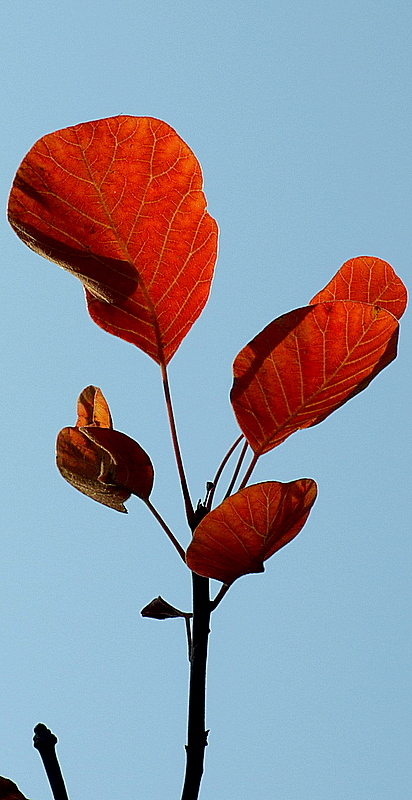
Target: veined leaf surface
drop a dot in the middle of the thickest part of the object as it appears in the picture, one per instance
(248, 527)
(369, 280)
(306, 364)
(119, 203)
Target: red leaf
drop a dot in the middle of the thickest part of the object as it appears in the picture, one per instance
(248, 527)
(119, 203)
(9, 790)
(89, 469)
(132, 466)
(306, 364)
(102, 463)
(368, 280)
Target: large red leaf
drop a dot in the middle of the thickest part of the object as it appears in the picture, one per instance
(369, 280)
(119, 203)
(248, 527)
(102, 463)
(307, 363)
(9, 790)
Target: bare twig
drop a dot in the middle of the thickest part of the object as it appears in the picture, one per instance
(220, 595)
(220, 470)
(45, 741)
(166, 528)
(237, 469)
(249, 471)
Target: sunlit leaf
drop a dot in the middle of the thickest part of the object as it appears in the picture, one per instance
(119, 203)
(306, 364)
(368, 280)
(102, 463)
(248, 527)
(92, 408)
(9, 790)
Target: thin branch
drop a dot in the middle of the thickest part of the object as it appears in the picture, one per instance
(190, 514)
(220, 595)
(237, 469)
(45, 741)
(249, 471)
(220, 470)
(166, 529)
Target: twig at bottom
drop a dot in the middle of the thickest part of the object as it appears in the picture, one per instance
(45, 741)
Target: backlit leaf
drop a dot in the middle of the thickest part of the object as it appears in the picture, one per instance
(92, 409)
(9, 790)
(369, 280)
(102, 463)
(248, 527)
(306, 364)
(119, 203)
(89, 469)
(132, 466)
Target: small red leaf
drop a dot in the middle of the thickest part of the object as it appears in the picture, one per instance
(92, 409)
(306, 364)
(102, 463)
(368, 280)
(9, 790)
(119, 203)
(248, 527)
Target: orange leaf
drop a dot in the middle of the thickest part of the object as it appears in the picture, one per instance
(100, 462)
(92, 409)
(9, 790)
(369, 280)
(248, 527)
(306, 364)
(119, 203)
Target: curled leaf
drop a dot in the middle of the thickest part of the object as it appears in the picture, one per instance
(368, 280)
(130, 465)
(306, 364)
(102, 463)
(161, 609)
(92, 408)
(248, 527)
(118, 202)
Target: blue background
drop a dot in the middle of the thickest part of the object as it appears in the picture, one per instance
(300, 115)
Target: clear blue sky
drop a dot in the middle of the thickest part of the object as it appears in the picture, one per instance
(300, 115)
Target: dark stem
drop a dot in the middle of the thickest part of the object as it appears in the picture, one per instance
(196, 733)
(250, 469)
(220, 595)
(166, 529)
(45, 741)
(237, 469)
(220, 470)
(190, 514)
